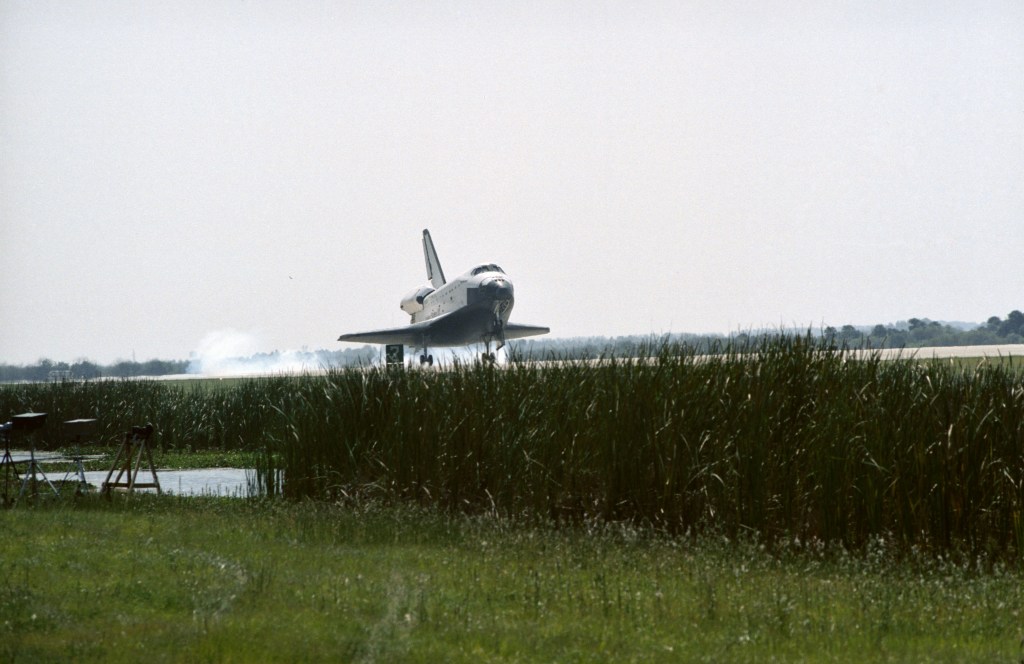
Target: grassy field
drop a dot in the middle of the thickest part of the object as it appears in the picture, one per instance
(194, 580)
(790, 505)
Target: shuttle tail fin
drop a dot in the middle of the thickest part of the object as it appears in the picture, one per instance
(434, 272)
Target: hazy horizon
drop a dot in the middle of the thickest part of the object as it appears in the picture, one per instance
(218, 352)
(175, 170)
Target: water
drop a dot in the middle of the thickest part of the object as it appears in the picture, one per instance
(232, 482)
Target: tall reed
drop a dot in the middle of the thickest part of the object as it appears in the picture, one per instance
(793, 440)
(787, 438)
(194, 417)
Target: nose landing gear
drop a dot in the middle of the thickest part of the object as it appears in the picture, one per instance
(497, 334)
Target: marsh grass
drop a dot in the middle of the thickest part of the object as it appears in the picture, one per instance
(793, 440)
(233, 415)
(786, 439)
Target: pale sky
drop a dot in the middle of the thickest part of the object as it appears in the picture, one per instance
(170, 170)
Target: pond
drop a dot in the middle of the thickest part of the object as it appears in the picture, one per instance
(231, 482)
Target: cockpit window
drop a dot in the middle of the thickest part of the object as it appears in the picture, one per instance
(487, 268)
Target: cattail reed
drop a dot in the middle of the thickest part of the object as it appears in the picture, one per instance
(788, 439)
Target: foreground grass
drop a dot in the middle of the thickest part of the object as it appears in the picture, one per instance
(178, 579)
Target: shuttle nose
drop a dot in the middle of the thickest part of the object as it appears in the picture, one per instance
(497, 288)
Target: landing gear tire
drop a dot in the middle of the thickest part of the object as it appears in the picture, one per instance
(488, 358)
(427, 359)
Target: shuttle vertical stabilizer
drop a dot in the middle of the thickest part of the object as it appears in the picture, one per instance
(434, 272)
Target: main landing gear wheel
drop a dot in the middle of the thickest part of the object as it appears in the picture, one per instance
(488, 358)
(427, 359)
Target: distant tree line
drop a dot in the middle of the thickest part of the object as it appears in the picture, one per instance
(919, 332)
(914, 333)
(46, 369)
(49, 370)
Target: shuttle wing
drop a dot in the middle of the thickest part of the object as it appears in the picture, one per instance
(447, 330)
(414, 334)
(517, 331)
(409, 335)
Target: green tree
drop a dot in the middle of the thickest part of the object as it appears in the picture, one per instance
(1014, 324)
(849, 333)
(83, 368)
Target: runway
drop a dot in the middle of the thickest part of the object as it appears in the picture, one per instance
(927, 353)
(948, 352)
